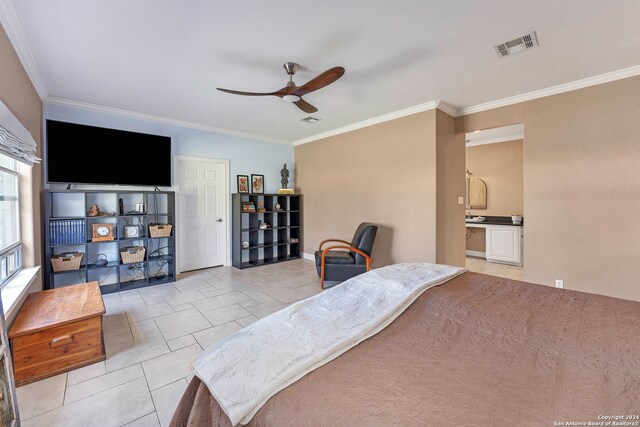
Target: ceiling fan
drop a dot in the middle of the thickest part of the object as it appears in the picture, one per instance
(292, 93)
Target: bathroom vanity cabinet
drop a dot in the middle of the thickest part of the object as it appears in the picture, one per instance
(503, 242)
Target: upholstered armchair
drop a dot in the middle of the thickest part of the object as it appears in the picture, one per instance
(346, 259)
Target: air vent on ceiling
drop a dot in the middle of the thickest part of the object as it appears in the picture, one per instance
(310, 119)
(527, 41)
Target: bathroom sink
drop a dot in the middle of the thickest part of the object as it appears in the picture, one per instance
(475, 219)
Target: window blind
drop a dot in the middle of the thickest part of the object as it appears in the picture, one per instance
(15, 140)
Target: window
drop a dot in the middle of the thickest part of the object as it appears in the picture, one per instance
(10, 245)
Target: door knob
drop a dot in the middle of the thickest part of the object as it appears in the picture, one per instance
(219, 220)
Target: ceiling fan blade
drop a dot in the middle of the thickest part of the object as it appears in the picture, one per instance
(237, 92)
(305, 106)
(324, 79)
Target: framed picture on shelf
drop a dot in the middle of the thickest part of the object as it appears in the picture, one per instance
(257, 184)
(243, 184)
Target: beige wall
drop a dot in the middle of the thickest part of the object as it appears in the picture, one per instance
(404, 175)
(450, 163)
(19, 95)
(581, 185)
(384, 174)
(500, 167)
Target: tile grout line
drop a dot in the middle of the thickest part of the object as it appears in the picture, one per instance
(225, 306)
(66, 383)
(133, 421)
(146, 380)
(153, 401)
(88, 379)
(79, 400)
(63, 398)
(190, 333)
(110, 388)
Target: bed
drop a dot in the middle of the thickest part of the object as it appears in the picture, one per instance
(477, 350)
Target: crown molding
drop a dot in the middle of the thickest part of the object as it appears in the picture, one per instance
(370, 122)
(52, 100)
(456, 112)
(11, 25)
(553, 90)
(439, 104)
(448, 108)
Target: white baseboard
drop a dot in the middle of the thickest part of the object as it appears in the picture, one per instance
(477, 254)
(311, 257)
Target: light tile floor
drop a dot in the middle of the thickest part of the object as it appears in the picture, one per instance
(151, 335)
(480, 265)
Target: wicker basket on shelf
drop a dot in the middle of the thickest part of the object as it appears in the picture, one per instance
(67, 261)
(160, 230)
(132, 254)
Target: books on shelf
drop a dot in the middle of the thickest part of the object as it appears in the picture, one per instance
(248, 207)
(67, 232)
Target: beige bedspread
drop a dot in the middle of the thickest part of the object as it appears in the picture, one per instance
(478, 350)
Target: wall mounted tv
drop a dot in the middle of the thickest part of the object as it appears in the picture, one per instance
(80, 154)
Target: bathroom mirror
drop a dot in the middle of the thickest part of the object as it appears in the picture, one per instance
(476, 193)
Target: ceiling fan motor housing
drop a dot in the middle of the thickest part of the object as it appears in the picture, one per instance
(291, 68)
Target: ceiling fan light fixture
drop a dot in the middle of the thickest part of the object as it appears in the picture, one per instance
(291, 98)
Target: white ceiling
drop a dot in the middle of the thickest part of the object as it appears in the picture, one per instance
(166, 57)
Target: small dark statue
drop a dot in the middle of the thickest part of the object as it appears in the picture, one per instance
(284, 173)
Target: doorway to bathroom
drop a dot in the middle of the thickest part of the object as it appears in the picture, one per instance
(494, 202)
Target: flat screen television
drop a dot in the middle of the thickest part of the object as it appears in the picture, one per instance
(81, 154)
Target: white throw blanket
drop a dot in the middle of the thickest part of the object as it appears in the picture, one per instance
(245, 369)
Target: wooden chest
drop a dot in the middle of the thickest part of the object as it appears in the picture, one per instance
(56, 331)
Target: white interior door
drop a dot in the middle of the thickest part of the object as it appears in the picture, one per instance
(202, 212)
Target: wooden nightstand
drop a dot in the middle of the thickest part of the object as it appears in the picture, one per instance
(56, 331)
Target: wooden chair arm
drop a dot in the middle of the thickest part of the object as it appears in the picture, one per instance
(367, 258)
(350, 248)
(333, 240)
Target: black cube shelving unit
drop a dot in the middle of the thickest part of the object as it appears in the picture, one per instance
(281, 241)
(69, 207)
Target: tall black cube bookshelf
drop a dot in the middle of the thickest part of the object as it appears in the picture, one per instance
(69, 208)
(254, 246)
